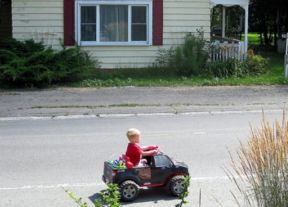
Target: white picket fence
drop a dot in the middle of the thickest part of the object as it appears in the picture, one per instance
(225, 51)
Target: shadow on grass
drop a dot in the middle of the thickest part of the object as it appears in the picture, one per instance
(154, 195)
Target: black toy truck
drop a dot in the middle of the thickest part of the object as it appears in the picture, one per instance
(160, 171)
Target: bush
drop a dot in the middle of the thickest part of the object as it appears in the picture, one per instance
(30, 64)
(262, 164)
(225, 69)
(255, 64)
(252, 65)
(187, 59)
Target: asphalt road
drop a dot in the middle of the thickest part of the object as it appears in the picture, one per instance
(40, 157)
(139, 100)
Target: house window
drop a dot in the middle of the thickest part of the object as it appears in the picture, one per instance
(88, 23)
(107, 22)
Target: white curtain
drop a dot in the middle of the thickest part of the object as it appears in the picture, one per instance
(113, 23)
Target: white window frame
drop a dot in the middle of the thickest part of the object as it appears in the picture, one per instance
(130, 4)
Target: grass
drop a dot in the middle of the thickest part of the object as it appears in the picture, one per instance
(151, 78)
(253, 38)
(261, 165)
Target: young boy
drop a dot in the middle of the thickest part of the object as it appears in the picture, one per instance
(134, 151)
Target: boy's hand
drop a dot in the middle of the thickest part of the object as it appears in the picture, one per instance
(155, 152)
(153, 147)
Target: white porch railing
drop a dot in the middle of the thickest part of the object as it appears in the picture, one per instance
(224, 51)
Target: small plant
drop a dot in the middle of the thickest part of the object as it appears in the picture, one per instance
(185, 193)
(77, 199)
(109, 197)
(225, 69)
(262, 166)
(252, 65)
(187, 59)
(255, 64)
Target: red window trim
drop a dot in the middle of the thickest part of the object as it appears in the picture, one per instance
(69, 22)
(158, 22)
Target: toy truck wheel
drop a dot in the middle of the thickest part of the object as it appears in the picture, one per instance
(129, 190)
(176, 185)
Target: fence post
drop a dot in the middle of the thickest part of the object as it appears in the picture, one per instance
(286, 58)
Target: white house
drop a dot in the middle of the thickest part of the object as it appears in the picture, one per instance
(120, 33)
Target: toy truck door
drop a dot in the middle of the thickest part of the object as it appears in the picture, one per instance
(161, 169)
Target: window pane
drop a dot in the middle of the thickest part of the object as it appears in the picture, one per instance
(114, 23)
(88, 14)
(88, 23)
(139, 32)
(139, 23)
(162, 161)
(139, 14)
(88, 32)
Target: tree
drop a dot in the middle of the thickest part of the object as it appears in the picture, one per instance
(270, 19)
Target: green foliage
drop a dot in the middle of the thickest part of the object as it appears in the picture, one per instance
(109, 197)
(255, 64)
(77, 199)
(22, 48)
(30, 64)
(187, 59)
(185, 193)
(165, 58)
(225, 69)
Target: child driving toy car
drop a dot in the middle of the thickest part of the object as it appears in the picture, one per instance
(135, 152)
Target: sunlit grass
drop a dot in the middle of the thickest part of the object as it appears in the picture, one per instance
(253, 38)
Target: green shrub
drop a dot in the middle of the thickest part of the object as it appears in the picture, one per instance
(255, 64)
(185, 193)
(165, 58)
(187, 59)
(30, 64)
(252, 65)
(22, 48)
(225, 69)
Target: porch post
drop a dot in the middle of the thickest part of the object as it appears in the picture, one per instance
(246, 26)
(223, 21)
(286, 58)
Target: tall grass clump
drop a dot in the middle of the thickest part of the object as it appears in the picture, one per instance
(261, 166)
(187, 59)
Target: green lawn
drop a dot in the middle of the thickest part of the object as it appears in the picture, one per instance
(147, 77)
(253, 38)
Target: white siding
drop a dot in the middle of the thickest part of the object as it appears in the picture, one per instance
(41, 19)
(38, 19)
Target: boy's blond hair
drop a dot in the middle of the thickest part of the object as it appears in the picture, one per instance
(132, 132)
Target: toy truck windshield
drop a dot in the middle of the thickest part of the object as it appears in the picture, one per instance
(162, 161)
